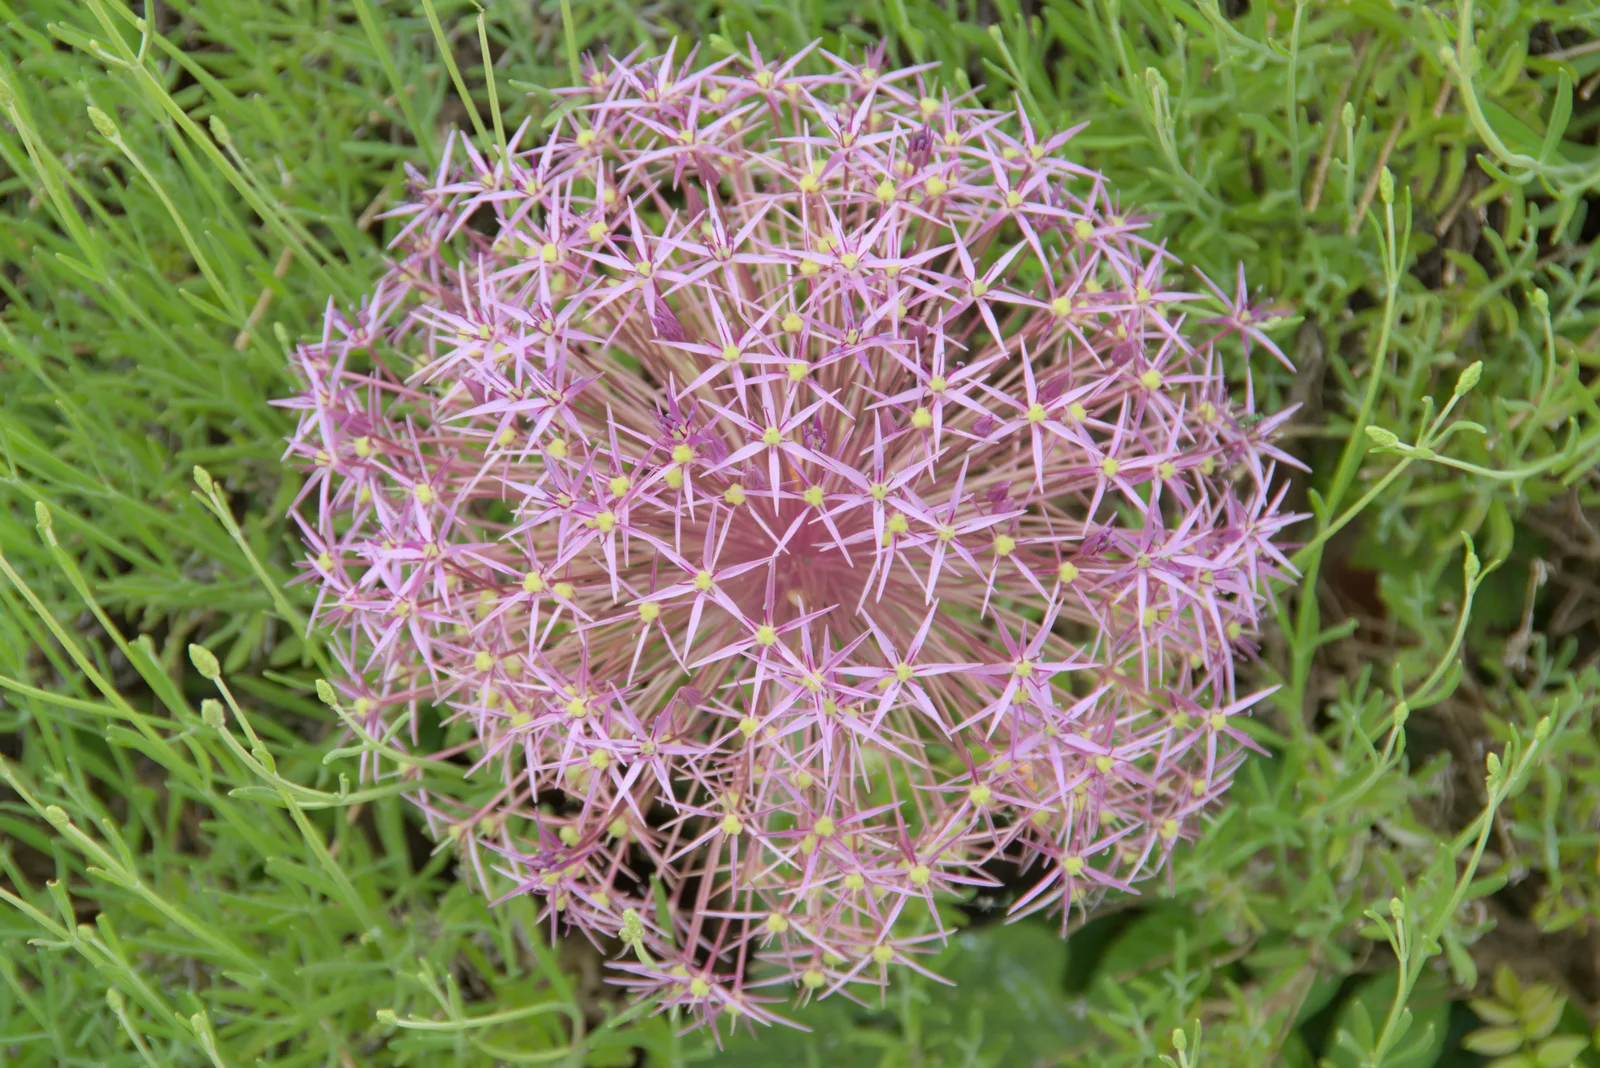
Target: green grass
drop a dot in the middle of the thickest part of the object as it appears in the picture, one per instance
(193, 883)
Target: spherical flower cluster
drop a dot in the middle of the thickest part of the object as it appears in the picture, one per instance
(798, 497)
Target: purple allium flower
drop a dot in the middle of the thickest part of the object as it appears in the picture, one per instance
(798, 493)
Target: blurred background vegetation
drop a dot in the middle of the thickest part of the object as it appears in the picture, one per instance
(1409, 878)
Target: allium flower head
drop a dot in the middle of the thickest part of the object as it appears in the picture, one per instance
(800, 496)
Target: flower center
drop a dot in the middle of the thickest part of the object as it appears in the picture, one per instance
(815, 571)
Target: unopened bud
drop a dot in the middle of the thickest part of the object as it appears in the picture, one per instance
(211, 713)
(1396, 908)
(1492, 761)
(1382, 438)
(1180, 1041)
(41, 516)
(114, 1000)
(1541, 730)
(1348, 116)
(1386, 186)
(387, 1017)
(103, 123)
(57, 816)
(1469, 378)
(202, 478)
(205, 662)
(325, 693)
(220, 133)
